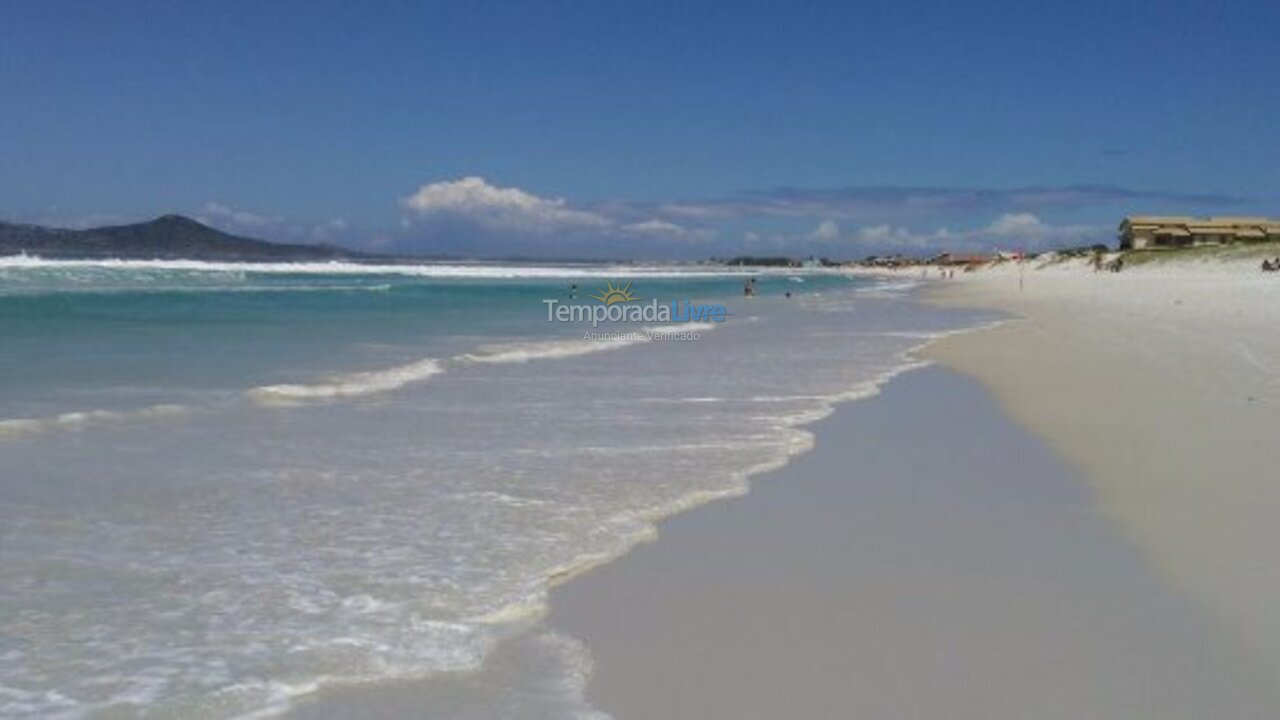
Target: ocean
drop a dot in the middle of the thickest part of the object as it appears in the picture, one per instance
(224, 487)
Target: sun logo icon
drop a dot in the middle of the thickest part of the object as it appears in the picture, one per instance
(610, 294)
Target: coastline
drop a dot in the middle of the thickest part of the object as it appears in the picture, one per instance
(955, 545)
(902, 568)
(971, 538)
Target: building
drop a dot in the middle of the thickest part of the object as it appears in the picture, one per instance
(968, 260)
(1144, 231)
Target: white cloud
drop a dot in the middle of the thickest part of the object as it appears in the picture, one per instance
(270, 227)
(1034, 233)
(1013, 230)
(653, 226)
(474, 199)
(826, 230)
(1009, 231)
(472, 212)
(1017, 224)
(875, 233)
(885, 234)
(215, 212)
(662, 229)
(325, 231)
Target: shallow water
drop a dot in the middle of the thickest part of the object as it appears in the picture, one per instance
(221, 489)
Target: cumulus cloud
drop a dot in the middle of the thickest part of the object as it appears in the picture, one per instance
(471, 214)
(1023, 231)
(1014, 224)
(663, 229)
(270, 227)
(1010, 230)
(215, 213)
(826, 230)
(474, 199)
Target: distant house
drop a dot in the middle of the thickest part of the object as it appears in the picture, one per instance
(971, 259)
(1144, 231)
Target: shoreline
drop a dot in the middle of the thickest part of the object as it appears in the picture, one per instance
(392, 697)
(1183, 656)
(399, 697)
(889, 588)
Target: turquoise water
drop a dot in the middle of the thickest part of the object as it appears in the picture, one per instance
(112, 339)
(222, 488)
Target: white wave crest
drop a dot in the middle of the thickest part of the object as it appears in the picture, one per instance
(350, 385)
(82, 418)
(555, 349)
(548, 350)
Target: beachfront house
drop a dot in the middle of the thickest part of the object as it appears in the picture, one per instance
(965, 259)
(1147, 231)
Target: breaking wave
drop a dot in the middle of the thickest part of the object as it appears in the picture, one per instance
(554, 349)
(82, 418)
(351, 385)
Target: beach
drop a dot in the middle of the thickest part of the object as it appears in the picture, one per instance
(1083, 532)
(1163, 386)
(388, 493)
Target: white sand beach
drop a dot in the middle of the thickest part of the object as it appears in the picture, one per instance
(1163, 384)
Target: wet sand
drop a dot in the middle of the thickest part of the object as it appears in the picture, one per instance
(929, 558)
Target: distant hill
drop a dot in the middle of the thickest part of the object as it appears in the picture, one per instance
(171, 237)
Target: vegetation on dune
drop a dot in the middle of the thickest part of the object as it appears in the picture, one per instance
(1219, 253)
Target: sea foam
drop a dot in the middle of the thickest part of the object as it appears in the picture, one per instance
(351, 385)
(81, 418)
(555, 349)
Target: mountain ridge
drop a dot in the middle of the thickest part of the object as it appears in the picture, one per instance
(168, 237)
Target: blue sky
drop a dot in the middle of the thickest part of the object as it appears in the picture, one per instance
(641, 129)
